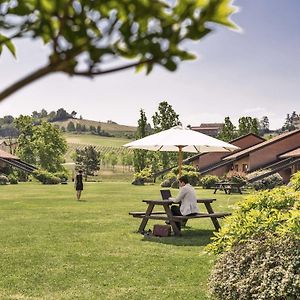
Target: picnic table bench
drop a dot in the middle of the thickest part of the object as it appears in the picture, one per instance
(228, 187)
(167, 215)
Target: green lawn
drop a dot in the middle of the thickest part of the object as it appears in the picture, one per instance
(89, 139)
(53, 247)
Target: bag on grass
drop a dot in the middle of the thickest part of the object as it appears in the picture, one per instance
(161, 230)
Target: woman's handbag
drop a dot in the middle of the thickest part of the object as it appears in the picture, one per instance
(161, 230)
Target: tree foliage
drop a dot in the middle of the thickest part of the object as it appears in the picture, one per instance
(41, 145)
(143, 129)
(166, 118)
(248, 125)
(147, 32)
(228, 132)
(87, 160)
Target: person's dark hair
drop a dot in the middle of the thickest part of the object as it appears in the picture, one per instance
(184, 179)
(80, 171)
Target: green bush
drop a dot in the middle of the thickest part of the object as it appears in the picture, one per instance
(45, 177)
(266, 183)
(175, 184)
(168, 181)
(260, 269)
(3, 180)
(12, 179)
(209, 181)
(63, 176)
(143, 176)
(275, 211)
(184, 169)
(236, 177)
(295, 181)
(190, 171)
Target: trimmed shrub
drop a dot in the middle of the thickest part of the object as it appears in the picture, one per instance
(295, 181)
(3, 180)
(236, 177)
(168, 182)
(184, 169)
(46, 177)
(209, 181)
(266, 183)
(175, 184)
(143, 176)
(194, 177)
(275, 211)
(187, 170)
(12, 179)
(260, 269)
(63, 176)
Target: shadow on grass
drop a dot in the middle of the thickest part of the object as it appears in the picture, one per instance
(190, 237)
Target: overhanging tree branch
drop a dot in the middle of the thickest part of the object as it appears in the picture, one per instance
(116, 69)
(61, 66)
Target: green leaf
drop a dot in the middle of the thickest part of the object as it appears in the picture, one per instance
(8, 43)
(48, 5)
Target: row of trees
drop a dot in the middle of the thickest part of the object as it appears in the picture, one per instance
(71, 127)
(246, 125)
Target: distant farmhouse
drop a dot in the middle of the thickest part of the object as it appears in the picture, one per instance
(8, 147)
(280, 154)
(211, 129)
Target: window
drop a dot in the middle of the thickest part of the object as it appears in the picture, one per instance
(236, 168)
(245, 167)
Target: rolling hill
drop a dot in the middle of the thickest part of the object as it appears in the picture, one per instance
(110, 127)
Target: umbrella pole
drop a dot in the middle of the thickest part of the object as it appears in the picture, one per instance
(180, 161)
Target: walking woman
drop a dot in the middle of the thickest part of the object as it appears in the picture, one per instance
(78, 184)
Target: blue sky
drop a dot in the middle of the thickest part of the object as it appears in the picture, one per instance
(255, 73)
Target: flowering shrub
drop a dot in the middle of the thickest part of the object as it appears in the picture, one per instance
(275, 211)
(171, 177)
(236, 177)
(259, 248)
(12, 179)
(208, 181)
(268, 182)
(260, 269)
(295, 181)
(184, 169)
(143, 176)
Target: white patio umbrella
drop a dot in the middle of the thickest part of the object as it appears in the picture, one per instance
(179, 139)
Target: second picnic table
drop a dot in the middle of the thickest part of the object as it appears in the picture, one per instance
(167, 215)
(228, 187)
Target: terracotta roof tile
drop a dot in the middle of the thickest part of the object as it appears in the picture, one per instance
(293, 153)
(263, 144)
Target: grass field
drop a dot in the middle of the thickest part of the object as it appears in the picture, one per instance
(89, 139)
(53, 247)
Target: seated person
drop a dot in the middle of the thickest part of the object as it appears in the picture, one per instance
(188, 199)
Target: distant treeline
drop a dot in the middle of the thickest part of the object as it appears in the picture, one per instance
(8, 129)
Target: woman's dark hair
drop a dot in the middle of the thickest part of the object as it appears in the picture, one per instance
(184, 179)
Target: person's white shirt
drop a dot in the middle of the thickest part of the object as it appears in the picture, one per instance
(188, 199)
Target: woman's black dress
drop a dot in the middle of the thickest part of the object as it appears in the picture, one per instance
(79, 183)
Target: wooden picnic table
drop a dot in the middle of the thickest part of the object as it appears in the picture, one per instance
(167, 215)
(228, 187)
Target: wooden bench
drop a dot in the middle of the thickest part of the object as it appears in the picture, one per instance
(228, 187)
(168, 216)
